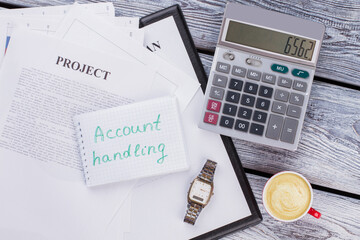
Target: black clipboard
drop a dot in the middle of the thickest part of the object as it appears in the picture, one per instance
(255, 216)
(11, 5)
(178, 16)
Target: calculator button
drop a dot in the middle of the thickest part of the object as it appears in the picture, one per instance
(262, 104)
(219, 80)
(266, 91)
(300, 86)
(284, 82)
(226, 122)
(289, 130)
(279, 68)
(238, 71)
(236, 84)
(244, 113)
(217, 93)
(251, 88)
(213, 106)
(259, 116)
(281, 95)
(269, 78)
(211, 118)
(233, 97)
(247, 100)
(241, 125)
(274, 126)
(223, 67)
(254, 75)
(278, 107)
(296, 99)
(229, 109)
(300, 73)
(256, 129)
(293, 111)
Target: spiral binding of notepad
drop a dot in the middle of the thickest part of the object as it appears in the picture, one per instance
(82, 152)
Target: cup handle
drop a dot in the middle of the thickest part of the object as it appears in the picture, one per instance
(314, 213)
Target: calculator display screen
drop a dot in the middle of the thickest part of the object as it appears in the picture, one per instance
(270, 40)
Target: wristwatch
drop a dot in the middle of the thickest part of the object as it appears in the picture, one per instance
(200, 192)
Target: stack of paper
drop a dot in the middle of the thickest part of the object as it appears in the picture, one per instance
(60, 62)
(68, 60)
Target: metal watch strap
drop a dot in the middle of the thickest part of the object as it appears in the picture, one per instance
(193, 211)
(207, 173)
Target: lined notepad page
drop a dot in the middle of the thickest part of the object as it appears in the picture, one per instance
(133, 141)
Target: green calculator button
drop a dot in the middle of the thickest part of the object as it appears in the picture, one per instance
(279, 68)
(300, 73)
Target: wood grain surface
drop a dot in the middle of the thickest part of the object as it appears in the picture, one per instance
(340, 53)
(339, 219)
(329, 149)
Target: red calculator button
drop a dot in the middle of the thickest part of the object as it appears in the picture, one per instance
(211, 118)
(214, 106)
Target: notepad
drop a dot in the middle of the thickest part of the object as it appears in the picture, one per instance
(132, 141)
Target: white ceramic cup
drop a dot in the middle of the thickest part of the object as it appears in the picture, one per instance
(309, 210)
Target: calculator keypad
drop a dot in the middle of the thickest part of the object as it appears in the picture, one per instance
(217, 93)
(236, 84)
(254, 75)
(281, 95)
(278, 107)
(238, 71)
(262, 104)
(266, 91)
(296, 99)
(241, 125)
(300, 86)
(230, 109)
(211, 118)
(227, 122)
(219, 80)
(251, 88)
(257, 129)
(289, 130)
(214, 106)
(232, 97)
(269, 78)
(247, 100)
(259, 116)
(245, 113)
(274, 127)
(285, 82)
(223, 67)
(258, 102)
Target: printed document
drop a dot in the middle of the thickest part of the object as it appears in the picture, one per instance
(45, 19)
(93, 32)
(44, 82)
(104, 9)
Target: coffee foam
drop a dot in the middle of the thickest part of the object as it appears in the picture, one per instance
(288, 196)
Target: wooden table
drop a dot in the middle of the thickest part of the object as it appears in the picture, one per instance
(329, 150)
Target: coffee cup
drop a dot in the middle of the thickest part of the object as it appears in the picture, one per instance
(288, 196)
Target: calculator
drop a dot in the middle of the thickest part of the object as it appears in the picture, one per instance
(260, 80)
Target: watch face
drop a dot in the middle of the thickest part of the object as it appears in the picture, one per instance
(200, 192)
